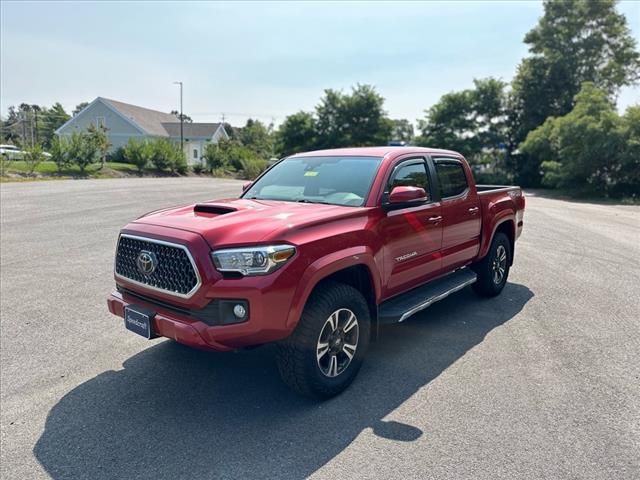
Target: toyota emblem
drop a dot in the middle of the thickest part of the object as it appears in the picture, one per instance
(146, 262)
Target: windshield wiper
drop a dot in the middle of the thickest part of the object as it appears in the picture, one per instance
(306, 200)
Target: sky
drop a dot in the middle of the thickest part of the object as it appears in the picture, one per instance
(262, 60)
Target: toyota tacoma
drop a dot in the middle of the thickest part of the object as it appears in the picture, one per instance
(316, 254)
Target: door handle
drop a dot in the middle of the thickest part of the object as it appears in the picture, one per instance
(437, 219)
(474, 210)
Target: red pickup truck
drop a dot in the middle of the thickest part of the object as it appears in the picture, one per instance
(315, 255)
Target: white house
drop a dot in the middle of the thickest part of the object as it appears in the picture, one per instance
(124, 121)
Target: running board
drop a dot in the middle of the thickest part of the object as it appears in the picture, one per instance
(403, 306)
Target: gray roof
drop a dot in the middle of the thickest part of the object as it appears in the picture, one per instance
(149, 120)
(191, 130)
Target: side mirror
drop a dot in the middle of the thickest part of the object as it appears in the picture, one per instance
(246, 186)
(401, 195)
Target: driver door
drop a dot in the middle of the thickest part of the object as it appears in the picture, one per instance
(412, 235)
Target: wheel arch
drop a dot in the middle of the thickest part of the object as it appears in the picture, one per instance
(509, 229)
(505, 222)
(356, 269)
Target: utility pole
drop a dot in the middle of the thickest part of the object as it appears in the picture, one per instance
(181, 119)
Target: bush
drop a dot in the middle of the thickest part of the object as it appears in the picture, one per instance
(88, 152)
(5, 161)
(138, 153)
(215, 156)
(60, 152)
(198, 168)
(163, 151)
(33, 156)
(252, 167)
(551, 174)
(178, 161)
(117, 156)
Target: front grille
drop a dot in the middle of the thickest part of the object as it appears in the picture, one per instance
(174, 271)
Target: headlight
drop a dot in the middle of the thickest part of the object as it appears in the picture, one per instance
(252, 260)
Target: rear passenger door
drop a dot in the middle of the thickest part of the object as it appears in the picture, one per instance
(460, 211)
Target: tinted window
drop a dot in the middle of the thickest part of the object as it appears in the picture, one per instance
(335, 180)
(452, 178)
(412, 175)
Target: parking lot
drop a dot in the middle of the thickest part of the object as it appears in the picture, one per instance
(540, 382)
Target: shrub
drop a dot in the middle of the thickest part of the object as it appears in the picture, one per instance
(117, 156)
(178, 161)
(215, 156)
(162, 155)
(98, 136)
(73, 147)
(88, 152)
(198, 168)
(138, 153)
(552, 175)
(5, 161)
(252, 167)
(33, 156)
(60, 152)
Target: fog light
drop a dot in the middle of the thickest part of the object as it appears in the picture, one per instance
(239, 311)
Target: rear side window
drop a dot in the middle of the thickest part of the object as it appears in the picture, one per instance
(452, 179)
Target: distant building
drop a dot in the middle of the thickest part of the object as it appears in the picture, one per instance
(124, 121)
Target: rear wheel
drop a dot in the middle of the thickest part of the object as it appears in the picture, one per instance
(323, 355)
(493, 269)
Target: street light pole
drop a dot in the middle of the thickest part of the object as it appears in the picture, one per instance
(181, 119)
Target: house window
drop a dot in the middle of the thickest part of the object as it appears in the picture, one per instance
(101, 122)
(195, 153)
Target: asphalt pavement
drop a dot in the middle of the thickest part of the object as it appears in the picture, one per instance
(540, 382)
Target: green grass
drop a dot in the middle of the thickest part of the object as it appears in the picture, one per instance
(50, 168)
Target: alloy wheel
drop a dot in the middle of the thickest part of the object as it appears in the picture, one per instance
(338, 342)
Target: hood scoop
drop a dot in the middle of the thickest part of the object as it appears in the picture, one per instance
(213, 208)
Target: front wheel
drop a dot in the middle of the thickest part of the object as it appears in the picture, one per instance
(493, 269)
(323, 355)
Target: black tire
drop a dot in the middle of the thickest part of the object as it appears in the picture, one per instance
(299, 361)
(490, 282)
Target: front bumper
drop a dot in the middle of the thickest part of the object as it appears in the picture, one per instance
(256, 330)
(270, 299)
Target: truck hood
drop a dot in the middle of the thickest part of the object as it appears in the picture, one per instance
(239, 221)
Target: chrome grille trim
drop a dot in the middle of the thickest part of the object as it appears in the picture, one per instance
(187, 295)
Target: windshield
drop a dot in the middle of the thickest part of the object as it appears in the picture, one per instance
(333, 180)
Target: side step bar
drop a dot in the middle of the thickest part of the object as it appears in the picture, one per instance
(403, 306)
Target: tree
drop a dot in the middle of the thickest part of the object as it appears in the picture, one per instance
(138, 153)
(574, 42)
(586, 150)
(88, 151)
(166, 155)
(402, 130)
(185, 118)
(59, 151)
(228, 154)
(33, 156)
(356, 119)
(52, 119)
(256, 136)
(628, 176)
(81, 106)
(74, 145)
(472, 122)
(215, 156)
(296, 134)
(98, 135)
